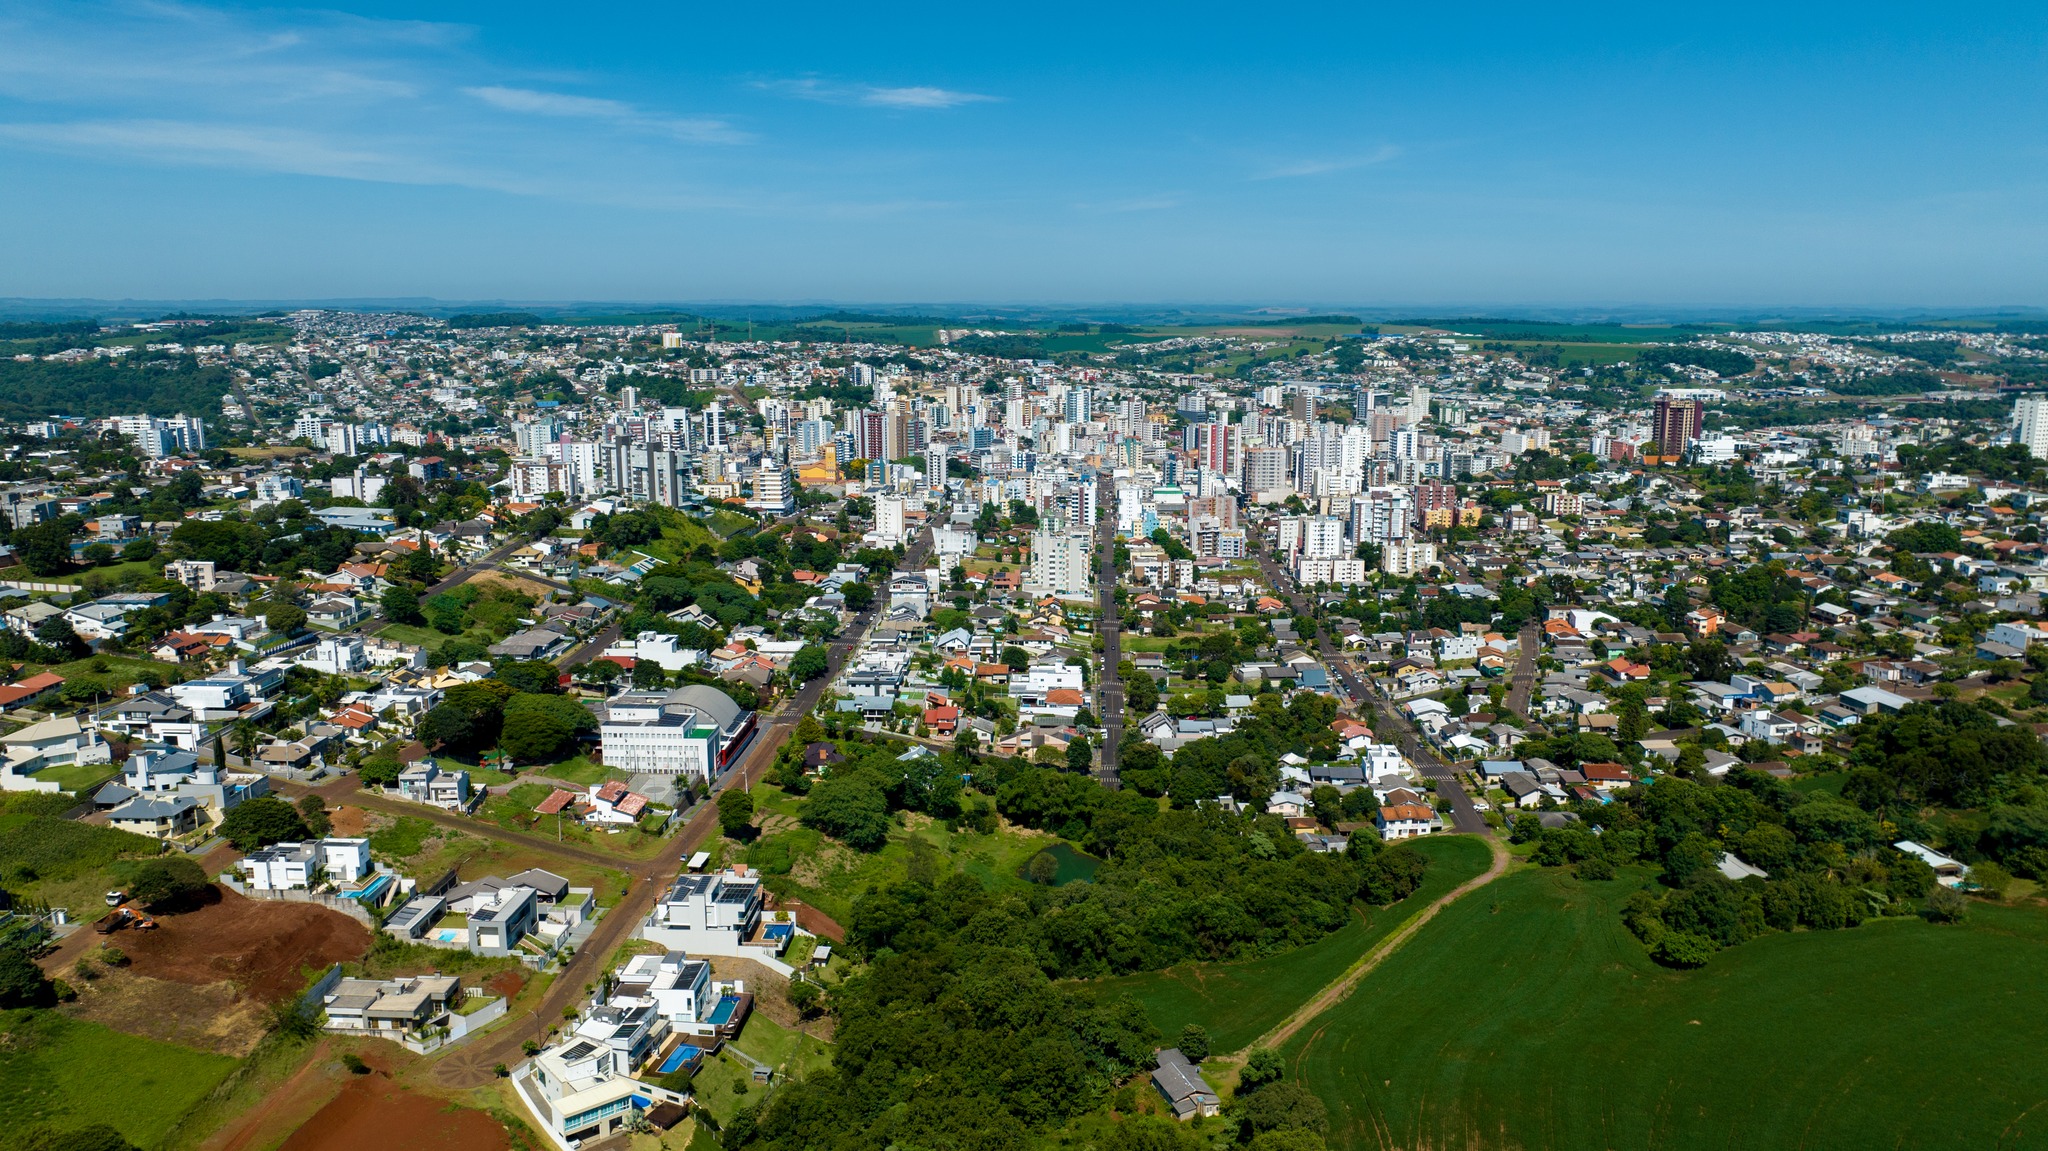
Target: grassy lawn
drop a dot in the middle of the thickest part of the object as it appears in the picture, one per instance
(514, 811)
(800, 863)
(112, 573)
(425, 637)
(1528, 1016)
(78, 777)
(1238, 1002)
(68, 1074)
(116, 665)
(475, 857)
(792, 1054)
(579, 770)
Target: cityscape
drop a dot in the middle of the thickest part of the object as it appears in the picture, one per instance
(647, 580)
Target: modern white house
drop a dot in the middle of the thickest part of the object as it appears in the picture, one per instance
(425, 782)
(295, 866)
(713, 913)
(581, 1090)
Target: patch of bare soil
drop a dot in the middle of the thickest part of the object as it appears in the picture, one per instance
(209, 1017)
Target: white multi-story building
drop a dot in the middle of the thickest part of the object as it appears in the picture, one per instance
(295, 866)
(711, 914)
(2030, 424)
(889, 519)
(1407, 557)
(693, 731)
(1060, 564)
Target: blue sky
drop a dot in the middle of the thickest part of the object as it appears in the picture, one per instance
(1710, 155)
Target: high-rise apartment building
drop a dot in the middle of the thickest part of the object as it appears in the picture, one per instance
(1677, 423)
(2030, 423)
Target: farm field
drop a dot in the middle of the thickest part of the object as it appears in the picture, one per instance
(68, 1073)
(1238, 1002)
(1528, 1016)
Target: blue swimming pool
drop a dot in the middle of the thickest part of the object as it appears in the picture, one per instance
(677, 1059)
(722, 1014)
(778, 931)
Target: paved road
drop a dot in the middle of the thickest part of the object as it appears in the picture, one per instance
(1524, 678)
(1110, 694)
(1464, 815)
(472, 1064)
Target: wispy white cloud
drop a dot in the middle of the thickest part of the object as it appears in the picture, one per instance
(1323, 166)
(699, 129)
(876, 96)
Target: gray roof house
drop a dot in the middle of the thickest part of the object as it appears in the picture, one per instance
(1181, 1083)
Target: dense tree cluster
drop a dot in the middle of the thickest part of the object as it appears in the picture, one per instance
(1828, 862)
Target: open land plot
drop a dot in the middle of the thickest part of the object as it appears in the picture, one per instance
(63, 862)
(514, 811)
(1238, 1002)
(799, 863)
(437, 848)
(67, 1073)
(375, 1111)
(269, 950)
(1528, 1016)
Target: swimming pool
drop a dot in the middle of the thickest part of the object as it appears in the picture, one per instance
(778, 931)
(722, 1014)
(685, 1053)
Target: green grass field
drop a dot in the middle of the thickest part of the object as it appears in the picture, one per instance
(67, 1074)
(1527, 1016)
(1238, 1002)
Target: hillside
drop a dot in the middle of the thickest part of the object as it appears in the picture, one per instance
(38, 389)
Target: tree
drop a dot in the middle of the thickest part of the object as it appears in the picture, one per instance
(284, 618)
(805, 996)
(648, 675)
(401, 604)
(313, 810)
(45, 548)
(851, 809)
(1683, 949)
(537, 676)
(810, 663)
(542, 728)
(1194, 1042)
(1262, 1067)
(262, 822)
(57, 632)
(22, 983)
(1945, 905)
(167, 881)
(1080, 757)
(735, 812)
(1043, 869)
(859, 596)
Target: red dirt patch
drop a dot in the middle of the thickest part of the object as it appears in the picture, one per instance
(349, 822)
(372, 1111)
(505, 984)
(265, 948)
